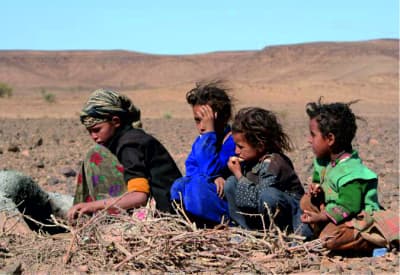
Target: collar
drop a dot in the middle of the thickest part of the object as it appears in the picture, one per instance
(123, 129)
(341, 157)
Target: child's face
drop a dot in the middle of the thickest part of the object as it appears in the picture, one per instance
(204, 118)
(244, 150)
(102, 132)
(319, 143)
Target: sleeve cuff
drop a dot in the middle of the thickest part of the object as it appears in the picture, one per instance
(139, 185)
(336, 213)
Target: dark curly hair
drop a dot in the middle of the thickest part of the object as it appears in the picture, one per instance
(261, 130)
(336, 118)
(216, 95)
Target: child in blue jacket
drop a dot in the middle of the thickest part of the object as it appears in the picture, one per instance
(201, 190)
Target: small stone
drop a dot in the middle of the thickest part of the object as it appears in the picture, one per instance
(25, 153)
(39, 142)
(365, 139)
(373, 141)
(13, 148)
(82, 268)
(53, 181)
(68, 172)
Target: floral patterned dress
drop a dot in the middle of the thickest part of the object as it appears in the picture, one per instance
(101, 176)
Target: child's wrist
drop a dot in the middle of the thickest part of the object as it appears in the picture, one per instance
(100, 205)
(324, 217)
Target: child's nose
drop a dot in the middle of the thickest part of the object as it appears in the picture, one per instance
(93, 136)
(201, 128)
(237, 151)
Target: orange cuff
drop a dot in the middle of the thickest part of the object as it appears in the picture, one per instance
(139, 185)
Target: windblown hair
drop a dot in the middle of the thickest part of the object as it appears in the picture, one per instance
(261, 130)
(214, 94)
(337, 119)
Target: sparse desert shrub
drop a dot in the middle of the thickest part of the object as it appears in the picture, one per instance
(283, 114)
(5, 90)
(48, 97)
(167, 115)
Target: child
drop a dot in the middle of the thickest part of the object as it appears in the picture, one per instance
(263, 176)
(343, 194)
(125, 159)
(201, 190)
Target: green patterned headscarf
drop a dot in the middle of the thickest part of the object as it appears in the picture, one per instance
(103, 104)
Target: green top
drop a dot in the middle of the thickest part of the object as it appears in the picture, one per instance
(349, 187)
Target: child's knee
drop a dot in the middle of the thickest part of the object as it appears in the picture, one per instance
(305, 202)
(271, 198)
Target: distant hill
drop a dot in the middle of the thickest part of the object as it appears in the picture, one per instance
(350, 63)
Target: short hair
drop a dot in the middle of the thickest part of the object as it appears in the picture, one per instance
(336, 118)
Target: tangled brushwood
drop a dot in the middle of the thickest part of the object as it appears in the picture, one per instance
(153, 242)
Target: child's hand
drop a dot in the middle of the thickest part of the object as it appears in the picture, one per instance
(220, 182)
(207, 116)
(234, 166)
(312, 217)
(315, 189)
(76, 211)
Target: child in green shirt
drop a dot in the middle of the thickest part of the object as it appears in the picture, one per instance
(343, 198)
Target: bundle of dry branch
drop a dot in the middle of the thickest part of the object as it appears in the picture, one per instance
(154, 242)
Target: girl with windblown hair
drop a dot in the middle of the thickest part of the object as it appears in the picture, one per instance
(264, 184)
(200, 191)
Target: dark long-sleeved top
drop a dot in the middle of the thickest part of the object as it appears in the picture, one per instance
(276, 170)
(143, 156)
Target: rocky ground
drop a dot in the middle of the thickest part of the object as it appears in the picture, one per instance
(50, 150)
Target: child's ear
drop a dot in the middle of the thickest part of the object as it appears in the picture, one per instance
(331, 139)
(260, 147)
(116, 121)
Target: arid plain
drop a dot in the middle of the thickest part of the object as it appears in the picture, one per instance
(40, 133)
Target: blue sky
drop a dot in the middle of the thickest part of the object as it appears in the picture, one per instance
(185, 27)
